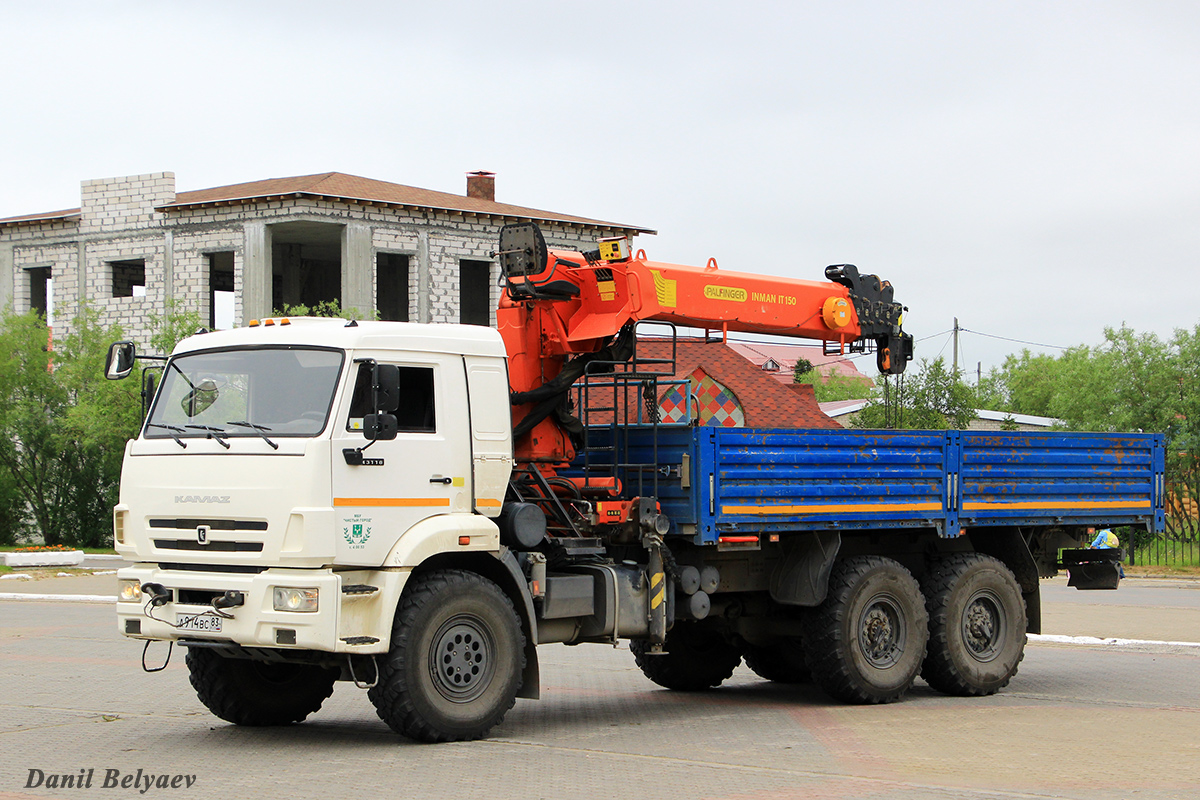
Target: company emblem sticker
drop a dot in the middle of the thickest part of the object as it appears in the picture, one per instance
(356, 531)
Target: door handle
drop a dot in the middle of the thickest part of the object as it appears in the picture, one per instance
(441, 480)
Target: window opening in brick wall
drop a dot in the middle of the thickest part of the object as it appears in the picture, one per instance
(306, 264)
(220, 290)
(128, 277)
(391, 286)
(41, 292)
(474, 295)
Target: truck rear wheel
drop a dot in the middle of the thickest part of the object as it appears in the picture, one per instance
(977, 625)
(782, 662)
(866, 641)
(257, 693)
(694, 659)
(456, 659)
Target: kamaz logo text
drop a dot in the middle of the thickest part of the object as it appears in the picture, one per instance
(201, 498)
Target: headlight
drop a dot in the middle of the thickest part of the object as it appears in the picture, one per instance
(288, 599)
(129, 591)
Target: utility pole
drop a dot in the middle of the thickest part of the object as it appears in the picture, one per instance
(955, 366)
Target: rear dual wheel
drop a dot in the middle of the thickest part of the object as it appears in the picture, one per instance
(779, 662)
(977, 624)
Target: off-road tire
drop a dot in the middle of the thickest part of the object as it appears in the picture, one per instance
(866, 641)
(977, 622)
(695, 659)
(257, 693)
(456, 660)
(782, 662)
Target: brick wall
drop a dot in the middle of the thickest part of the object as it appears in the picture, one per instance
(118, 221)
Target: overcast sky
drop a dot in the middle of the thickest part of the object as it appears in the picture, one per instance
(1031, 168)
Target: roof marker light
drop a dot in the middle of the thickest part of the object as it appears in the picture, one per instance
(285, 321)
(253, 323)
(268, 322)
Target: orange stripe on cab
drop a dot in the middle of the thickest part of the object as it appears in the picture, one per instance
(408, 502)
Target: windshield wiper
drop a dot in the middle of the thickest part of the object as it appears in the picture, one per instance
(175, 430)
(213, 433)
(259, 429)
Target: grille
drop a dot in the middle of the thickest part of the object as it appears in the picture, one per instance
(214, 547)
(213, 524)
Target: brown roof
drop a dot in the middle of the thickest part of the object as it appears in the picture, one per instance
(45, 216)
(339, 186)
(766, 402)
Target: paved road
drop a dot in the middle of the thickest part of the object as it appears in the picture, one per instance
(1077, 722)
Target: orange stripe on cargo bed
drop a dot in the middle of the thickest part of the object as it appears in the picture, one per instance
(1042, 504)
(391, 501)
(487, 502)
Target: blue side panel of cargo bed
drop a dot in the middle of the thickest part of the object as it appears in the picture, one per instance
(789, 480)
(731, 481)
(1069, 478)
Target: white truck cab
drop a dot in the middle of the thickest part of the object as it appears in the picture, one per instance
(254, 479)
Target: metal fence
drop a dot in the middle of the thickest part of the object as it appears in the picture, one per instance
(1178, 546)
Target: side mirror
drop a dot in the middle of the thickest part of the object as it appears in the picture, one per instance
(380, 427)
(121, 356)
(386, 389)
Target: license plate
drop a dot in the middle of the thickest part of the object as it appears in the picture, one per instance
(204, 623)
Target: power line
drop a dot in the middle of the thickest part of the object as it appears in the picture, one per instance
(1018, 341)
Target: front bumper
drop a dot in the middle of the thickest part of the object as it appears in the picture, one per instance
(355, 621)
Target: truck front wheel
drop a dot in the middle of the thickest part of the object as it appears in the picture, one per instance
(456, 660)
(866, 641)
(976, 625)
(694, 658)
(257, 693)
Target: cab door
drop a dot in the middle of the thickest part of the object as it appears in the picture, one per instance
(423, 472)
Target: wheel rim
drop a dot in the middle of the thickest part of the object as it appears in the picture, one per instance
(882, 632)
(462, 659)
(983, 625)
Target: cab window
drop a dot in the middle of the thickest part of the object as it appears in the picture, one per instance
(416, 411)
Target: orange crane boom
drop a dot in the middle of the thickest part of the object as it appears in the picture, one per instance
(563, 308)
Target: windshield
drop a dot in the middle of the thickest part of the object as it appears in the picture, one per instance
(277, 391)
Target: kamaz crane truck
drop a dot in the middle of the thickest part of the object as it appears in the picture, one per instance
(415, 508)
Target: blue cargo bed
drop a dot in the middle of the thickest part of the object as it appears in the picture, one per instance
(728, 483)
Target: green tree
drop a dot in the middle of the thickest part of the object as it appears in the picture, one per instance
(13, 524)
(63, 427)
(32, 404)
(829, 388)
(325, 308)
(172, 327)
(932, 397)
(1131, 382)
(802, 371)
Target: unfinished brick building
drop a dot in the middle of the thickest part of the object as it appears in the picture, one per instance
(234, 253)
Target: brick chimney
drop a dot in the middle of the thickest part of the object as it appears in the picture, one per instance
(481, 185)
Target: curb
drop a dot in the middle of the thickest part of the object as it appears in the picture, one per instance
(59, 598)
(1050, 638)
